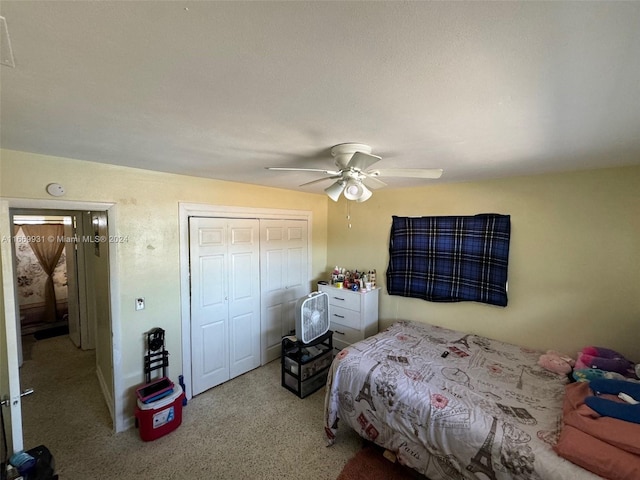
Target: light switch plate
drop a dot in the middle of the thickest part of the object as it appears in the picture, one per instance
(140, 303)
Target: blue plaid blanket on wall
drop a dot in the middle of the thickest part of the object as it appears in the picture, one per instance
(450, 258)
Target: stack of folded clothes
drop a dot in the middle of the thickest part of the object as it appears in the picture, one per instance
(601, 427)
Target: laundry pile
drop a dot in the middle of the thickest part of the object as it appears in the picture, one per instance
(601, 415)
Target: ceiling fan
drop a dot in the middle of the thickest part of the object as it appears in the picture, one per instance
(352, 176)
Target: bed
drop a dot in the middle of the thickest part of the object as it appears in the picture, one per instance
(451, 405)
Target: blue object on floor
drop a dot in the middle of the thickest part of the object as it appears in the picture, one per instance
(181, 382)
(22, 461)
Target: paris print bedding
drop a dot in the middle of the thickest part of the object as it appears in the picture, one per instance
(451, 405)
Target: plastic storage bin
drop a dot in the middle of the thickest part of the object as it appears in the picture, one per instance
(158, 418)
(305, 365)
(308, 370)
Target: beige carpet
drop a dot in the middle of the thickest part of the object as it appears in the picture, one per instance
(248, 428)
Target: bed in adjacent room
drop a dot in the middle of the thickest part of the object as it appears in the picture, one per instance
(451, 405)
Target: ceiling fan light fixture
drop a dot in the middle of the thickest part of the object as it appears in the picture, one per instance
(355, 190)
(352, 190)
(366, 195)
(335, 190)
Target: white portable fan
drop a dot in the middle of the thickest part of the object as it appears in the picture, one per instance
(312, 316)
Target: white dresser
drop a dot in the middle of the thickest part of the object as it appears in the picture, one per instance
(354, 315)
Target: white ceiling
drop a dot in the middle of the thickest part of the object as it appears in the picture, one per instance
(223, 89)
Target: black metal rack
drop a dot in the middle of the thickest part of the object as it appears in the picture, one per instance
(157, 356)
(305, 365)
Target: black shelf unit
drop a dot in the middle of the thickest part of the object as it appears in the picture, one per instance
(305, 365)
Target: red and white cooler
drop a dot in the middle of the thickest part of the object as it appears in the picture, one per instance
(160, 417)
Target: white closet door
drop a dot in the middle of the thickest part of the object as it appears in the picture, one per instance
(244, 296)
(209, 311)
(225, 299)
(284, 279)
(73, 300)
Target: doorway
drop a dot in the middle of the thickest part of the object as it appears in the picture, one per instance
(55, 275)
(56, 279)
(46, 275)
(93, 300)
(42, 274)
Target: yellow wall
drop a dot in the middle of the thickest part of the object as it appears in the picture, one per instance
(146, 212)
(574, 263)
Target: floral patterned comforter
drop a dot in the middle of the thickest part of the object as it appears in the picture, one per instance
(451, 405)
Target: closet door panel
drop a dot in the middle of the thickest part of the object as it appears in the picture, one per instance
(244, 297)
(271, 328)
(285, 278)
(214, 362)
(209, 309)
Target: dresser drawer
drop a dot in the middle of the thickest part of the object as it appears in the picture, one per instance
(344, 298)
(353, 315)
(346, 334)
(343, 316)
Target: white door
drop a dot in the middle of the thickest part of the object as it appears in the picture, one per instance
(244, 296)
(72, 285)
(285, 278)
(9, 373)
(225, 299)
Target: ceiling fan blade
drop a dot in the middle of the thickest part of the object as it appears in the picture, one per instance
(407, 172)
(294, 169)
(360, 160)
(371, 181)
(320, 180)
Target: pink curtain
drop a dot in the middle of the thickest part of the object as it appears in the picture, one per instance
(43, 240)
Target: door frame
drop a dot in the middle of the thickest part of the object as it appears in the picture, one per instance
(9, 337)
(187, 210)
(116, 402)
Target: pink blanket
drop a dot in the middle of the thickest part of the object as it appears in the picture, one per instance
(606, 446)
